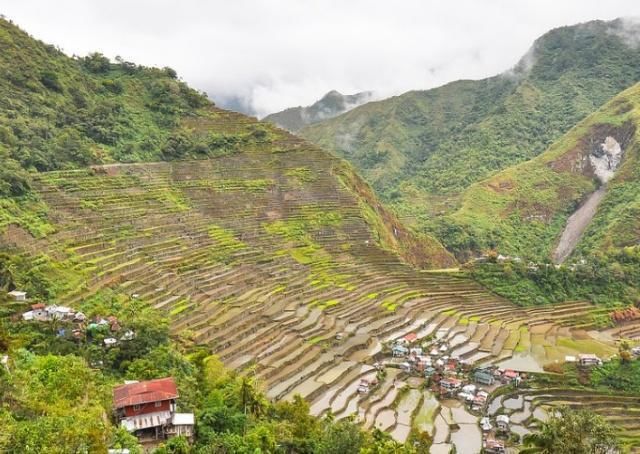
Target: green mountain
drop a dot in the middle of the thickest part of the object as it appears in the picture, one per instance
(524, 209)
(330, 105)
(422, 149)
(62, 113)
(193, 238)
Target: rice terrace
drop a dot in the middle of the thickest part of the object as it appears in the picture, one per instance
(179, 277)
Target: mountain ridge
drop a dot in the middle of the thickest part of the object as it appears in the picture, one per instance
(422, 149)
(330, 105)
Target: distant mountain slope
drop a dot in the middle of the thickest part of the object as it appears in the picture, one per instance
(420, 150)
(331, 105)
(524, 209)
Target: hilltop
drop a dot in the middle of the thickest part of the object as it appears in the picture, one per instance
(330, 105)
(64, 113)
(523, 210)
(422, 149)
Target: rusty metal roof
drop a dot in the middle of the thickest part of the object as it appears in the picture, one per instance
(144, 392)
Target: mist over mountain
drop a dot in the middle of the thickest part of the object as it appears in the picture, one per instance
(421, 150)
(330, 105)
(176, 277)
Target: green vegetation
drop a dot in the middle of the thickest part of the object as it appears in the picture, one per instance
(423, 149)
(617, 375)
(572, 432)
(604, 279)
(62, 113)
(52, 400)
(523, 210)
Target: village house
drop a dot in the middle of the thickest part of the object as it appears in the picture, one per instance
(494, 447)
(148, 410)
(484, 377)
(502, 423)
(17, 295)
(410, 338)
(589, 360)
(450, 385)
(509, 376)
(43, 313)
(38, 312)
(399, 351)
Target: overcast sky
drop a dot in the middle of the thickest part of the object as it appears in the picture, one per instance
(281, 53)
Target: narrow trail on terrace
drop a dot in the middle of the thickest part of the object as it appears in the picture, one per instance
(576, 225)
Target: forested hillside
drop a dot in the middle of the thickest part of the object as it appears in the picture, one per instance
(421, 150)
(522, 210)
(125, 194)
(158, 236)
(62, 113)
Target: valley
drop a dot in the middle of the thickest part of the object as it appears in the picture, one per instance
(483, 284)
(267, 258)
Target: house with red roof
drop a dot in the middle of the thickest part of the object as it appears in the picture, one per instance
(410, 338)
(148, 409)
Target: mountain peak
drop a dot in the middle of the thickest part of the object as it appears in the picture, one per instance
(330, 105)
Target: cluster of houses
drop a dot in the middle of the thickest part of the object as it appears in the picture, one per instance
(430, 360)
(491, 444)
(110, 326)
(42, 313)
(148, 410)
(451, 377)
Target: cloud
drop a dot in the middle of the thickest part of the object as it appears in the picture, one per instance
(263, 56)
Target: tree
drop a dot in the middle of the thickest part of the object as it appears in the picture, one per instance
(96, 63)
(177, 445)
(342, 436)
(572, 432)
(624, 350)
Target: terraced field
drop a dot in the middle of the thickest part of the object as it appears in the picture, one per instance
(528, 407)
(275, 260)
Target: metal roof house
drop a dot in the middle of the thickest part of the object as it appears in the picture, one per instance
(148, 409)
(17, 295)
(484, 377)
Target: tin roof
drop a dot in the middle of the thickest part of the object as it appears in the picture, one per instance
(411, 337)
(145, 392)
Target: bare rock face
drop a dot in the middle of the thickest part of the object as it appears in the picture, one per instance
(606, 159)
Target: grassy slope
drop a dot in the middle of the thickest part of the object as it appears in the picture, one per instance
(63, 113)
(422, 149)
(522, 210)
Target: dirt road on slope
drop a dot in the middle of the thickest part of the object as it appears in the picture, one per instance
(576, 225)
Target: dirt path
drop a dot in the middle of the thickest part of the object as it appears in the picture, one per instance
(576, 225)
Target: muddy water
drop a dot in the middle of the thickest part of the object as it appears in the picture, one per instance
(384, 403)
(541, 414)
(442, 430)
(520, 430)
(401, 432)
(348, 393)
(440, 448)
(385, 419)
(576, 225)
(468, 439)
(520, 416)
(525, 362)
(407, 405)
(513, 403)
